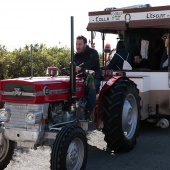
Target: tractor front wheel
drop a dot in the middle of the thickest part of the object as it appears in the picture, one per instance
(69, 151)
(6, 151)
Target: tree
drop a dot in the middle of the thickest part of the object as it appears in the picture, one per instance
(18, 62)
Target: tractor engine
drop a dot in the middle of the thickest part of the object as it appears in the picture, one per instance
(35, 106)
(60, 113)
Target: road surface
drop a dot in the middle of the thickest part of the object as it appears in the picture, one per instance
(152, 152)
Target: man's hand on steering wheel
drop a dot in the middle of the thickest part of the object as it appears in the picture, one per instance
(66, 70)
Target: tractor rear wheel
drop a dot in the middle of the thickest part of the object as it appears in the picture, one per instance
(70, 149)
(121, 115)
(6, 152)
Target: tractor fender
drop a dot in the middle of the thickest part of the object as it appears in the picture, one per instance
(98, 108)
(110, 82)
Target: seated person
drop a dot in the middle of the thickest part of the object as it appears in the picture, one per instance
(140, 62)
(164, 59)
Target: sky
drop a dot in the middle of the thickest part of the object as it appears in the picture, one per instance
(26, 22)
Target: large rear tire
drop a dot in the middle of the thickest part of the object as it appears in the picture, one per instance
(69, 151)
(6, 152)
(121, 115)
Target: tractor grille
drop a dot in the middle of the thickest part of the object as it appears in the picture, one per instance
(24, 87)
(17, 116)
(9, 88)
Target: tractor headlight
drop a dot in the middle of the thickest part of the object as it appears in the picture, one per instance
(33, 117)
(30, 118)
(4, 115)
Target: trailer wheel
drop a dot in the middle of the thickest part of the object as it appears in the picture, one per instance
(6, 152)
(121, 115)
(69, 151)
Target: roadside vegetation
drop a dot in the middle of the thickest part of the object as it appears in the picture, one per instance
(18, 62)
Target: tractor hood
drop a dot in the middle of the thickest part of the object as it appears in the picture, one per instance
(39, 89)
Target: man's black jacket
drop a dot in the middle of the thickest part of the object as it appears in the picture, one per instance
(88, 60)
(142, 64)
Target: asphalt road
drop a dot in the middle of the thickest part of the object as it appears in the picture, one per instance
(152, 152)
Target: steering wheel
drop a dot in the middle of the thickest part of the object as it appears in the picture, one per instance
(65, 71)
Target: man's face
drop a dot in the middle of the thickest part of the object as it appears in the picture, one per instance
(80, 46)
(137, 59)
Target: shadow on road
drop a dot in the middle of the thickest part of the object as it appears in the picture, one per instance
(150, 153)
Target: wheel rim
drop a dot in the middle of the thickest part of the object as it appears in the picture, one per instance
(4, 149)
(129, 116)
(75, 154)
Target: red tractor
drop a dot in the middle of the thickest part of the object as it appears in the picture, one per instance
(50, 111)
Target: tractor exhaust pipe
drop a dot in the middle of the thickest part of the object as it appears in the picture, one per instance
(72, 69)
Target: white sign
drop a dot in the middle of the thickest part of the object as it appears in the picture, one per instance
(120, 16)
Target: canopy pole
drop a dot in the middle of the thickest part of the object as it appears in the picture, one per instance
(103, 38)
